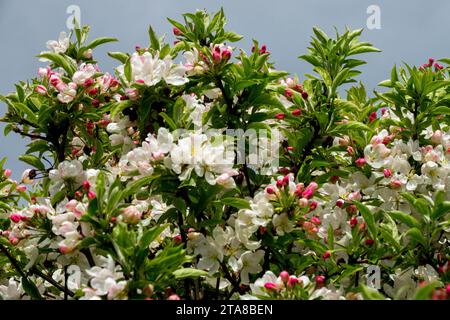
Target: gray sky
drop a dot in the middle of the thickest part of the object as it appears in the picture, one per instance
(411, 31)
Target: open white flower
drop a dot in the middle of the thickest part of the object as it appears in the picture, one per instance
(61, 45)
(69, 172)
(12, 291)
(105, 280)
(248, 263)
(85, 71)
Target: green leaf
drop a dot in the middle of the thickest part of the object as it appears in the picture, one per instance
(189, 273)
(154, 42)
(33, 161)
(371, 294)
(416, 235)
(61, 61)
(58, 197)
(127, 70)
(405, 218)
(150, 235)
(22, 107)
(368, 218)
(119, 107)
(99, 41)
(349, 126)
(168, 120)
(122, 57)
(363, 49)
(425, 292)
(30, 288)
(341, 78)
(435, 85)
(177, 25)
(236, 203)
(133, 187)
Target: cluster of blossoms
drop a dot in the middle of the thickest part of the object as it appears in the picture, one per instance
(136, 190)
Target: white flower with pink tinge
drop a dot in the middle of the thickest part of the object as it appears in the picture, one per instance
(149, 69)
(105, 280)
(12, 291)
(85, 71)
(61, 45)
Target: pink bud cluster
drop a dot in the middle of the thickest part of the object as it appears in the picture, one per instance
(430, 64)
(221, 53)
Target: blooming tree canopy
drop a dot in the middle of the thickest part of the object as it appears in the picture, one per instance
(200, 171)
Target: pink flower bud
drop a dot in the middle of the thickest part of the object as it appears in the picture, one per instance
(86, 185)
(216, 57)
(21, 188)
(177, 239)
(320, 279)
(313, 205)
(226, 55)
(174, 297)
(354, 196)
(436, 138)
(298, 88)
(43, 72)
(7, 173)
(13, 240)
(303, 202)
(132, 94)
(270, 190)
(299, 189)
(387, 173)
(396, 184)
(351, 209)
(270, 286)
(372, 116)
(93, 92)
(64, 249)
(91, 195)
(304, 95)
(369, 242)
(350, 150)
(353, 222)
(297, 112)
(284, 275)
(280, 116)
(131, 215)
(288, 93)
(308, 193)
(88, 54)
(437, 66)
(326, 255)
(340, 203)
(313, 185)
(293, 280)
(88, 82)
(360, 162)
(263, 49)
(54, 80)
(40, 89)
(447, 289)
(15, 217)
(176, 31)
(316, 220)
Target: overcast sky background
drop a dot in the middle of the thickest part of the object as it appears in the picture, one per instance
(411, 31)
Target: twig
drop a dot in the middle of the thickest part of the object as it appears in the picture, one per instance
(50, 280)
